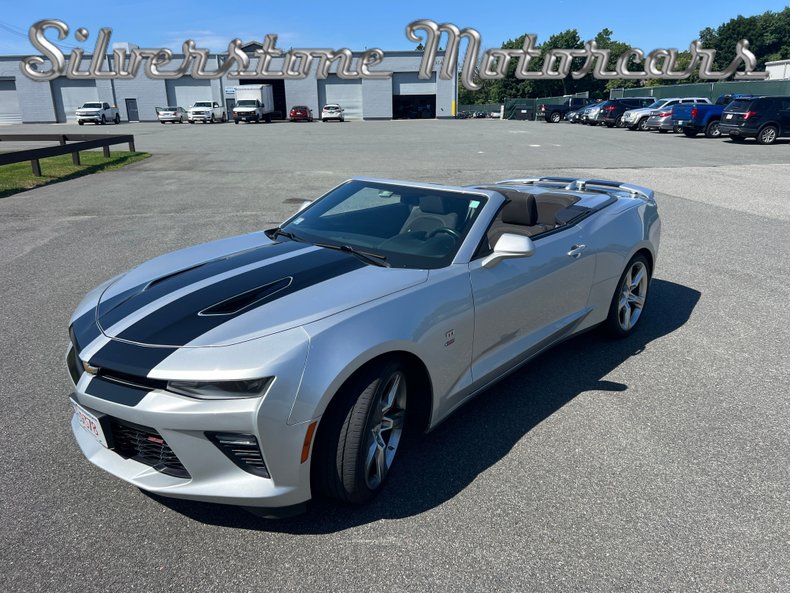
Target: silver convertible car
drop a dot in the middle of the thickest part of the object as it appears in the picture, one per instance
(264, 369)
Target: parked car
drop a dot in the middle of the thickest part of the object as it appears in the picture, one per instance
(98, 113)
(554, 112)
(301, 113)
(207, 112)
(263, 369)
(636, 119)
(695, 119)
(332, 111)
(611, 112)
(588, 114)
(762, 118)
(171, 114)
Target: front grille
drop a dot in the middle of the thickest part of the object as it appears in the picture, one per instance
(241, 449)
(147, 446)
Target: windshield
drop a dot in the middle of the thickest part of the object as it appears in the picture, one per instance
(202, 104)
(657, 104)
(740, 105)
(91, 106)
(159, 109)
(410, 227)
(246, 103)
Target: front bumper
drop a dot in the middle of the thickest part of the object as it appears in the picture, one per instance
(96, 117)
(199, 117)
(246, 116)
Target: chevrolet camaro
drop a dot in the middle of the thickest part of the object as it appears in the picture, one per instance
(263, 369)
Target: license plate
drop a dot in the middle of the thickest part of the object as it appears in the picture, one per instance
(90, 423)
(681, 122)
(729, 116)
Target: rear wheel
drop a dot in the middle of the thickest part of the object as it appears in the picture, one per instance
(677, 129)
(555, 117)
(712, 129)
(767, 135)
(360, 434)
(690, 132)
(629, 299)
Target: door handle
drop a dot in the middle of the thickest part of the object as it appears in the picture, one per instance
(576, 251)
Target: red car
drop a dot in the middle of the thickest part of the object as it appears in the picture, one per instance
(301, 113)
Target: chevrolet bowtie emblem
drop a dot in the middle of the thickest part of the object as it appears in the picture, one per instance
(90, 369)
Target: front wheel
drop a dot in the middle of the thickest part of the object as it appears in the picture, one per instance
(212, 118)
(629, 299)
(642, 125)
(767, 135)
(360, 434)
(117, 119)
(103, 120)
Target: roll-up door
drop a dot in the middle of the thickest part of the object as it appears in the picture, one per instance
(183, 92)
(69, 95)
(9, 103)
(346, 93)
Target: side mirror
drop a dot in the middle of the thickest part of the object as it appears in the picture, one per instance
(304, 205)
(509, 246)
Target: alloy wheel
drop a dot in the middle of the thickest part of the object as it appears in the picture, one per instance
(633, 293)
(382, 441)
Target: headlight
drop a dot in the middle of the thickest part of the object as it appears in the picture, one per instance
(220, 389)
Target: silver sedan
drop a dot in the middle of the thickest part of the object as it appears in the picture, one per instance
(264, 369)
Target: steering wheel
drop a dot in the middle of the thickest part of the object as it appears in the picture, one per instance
(443, 229)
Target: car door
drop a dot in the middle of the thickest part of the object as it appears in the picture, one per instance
(784, 115)
(524, 304)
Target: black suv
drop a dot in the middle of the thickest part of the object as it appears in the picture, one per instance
(763, 118)
(612, 111)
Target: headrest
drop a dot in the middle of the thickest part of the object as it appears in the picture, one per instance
(521, 210)
(433, 205)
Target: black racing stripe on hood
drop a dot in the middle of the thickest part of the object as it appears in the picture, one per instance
(119, 306)
(84, 330)
(179, 322)
(130, 359)
(116, 392)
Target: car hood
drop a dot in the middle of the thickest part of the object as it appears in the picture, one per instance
(200, 108)
(238, 289)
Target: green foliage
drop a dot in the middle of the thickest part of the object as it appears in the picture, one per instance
(768, 34)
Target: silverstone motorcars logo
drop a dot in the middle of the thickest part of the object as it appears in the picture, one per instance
(162, 63)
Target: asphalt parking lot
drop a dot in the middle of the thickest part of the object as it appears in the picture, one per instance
(658, 463)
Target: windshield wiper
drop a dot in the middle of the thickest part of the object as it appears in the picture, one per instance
(370, 258)
(278, 232)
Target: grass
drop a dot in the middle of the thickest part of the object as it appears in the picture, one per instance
(19, 177)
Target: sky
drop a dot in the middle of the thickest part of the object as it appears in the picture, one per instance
(359, 25)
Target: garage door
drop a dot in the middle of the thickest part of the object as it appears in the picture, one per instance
(69, 95)
(183, 92)
(408, 83)
(346, 93)
(9, 103)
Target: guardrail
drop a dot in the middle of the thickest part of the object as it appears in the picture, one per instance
(79, 142)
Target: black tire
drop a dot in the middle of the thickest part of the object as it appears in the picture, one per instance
(614, 324)
(268, 118)
(323, 119)
(690, 132)
(618, 123)
(80, 123)
(738, 139)
(609, 124)
(642, 125)
(677, 129)
(767, 134)
(212, 119)
(117, 119)
(555, 117)
(103, 119)
(712, 129)
(346, 436)
(161, 122)
(235, 121)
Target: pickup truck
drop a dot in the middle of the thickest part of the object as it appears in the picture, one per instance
(206, 111)
(695, 119)
(98, 113)
(553, 113)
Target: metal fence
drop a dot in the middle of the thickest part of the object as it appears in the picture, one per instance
(710, 90)
(526, 108)
(485, 107)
